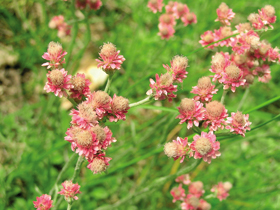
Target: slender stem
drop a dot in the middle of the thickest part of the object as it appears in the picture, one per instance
(108, 84)
(69, 206)
(140, 102)
(78, 167)
(58, 203)
(243, 99)
(223, 96)
(71, 100)
(65, 167)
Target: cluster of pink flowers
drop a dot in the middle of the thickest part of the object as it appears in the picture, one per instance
(86, 135)
(164, 86)
(192, 200)
(167, 21)
(248, 52)
(57, 22)
(43, 202)
(92, 4)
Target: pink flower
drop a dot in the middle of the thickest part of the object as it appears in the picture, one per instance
(166, 31)
(163, 87)
(207, 38)
(256, 21)
(273, 54)
(119, 107)
(58, 82)
(191, 202)
(94, 4)
(189, 18)
(43, 202)
(263, 73)
(264, 51)
(245, 42)
(225, 14)
(185, 179)
(177, 148)
(167, 20)
(55, 55)
(57, 22)
(178, 68)
(204, 90)
(169, 8)
(205, 146)
(98, 163)
(221, 190)
(243, 27)
(178, 193)
(80, 86)
(85, 116)
(267, 14)
(215, 115)
(219, 62)
(70, 190)
(155, 5)
(203, 205)
(222, 33)
(180, 9)
(191, 112)
(110, 58)
(238, 123)
(196, 189)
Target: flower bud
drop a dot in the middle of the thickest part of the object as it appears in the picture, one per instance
(108, 49)
(171, 149)
(269, 10)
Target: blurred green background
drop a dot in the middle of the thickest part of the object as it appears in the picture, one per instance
(140, 176)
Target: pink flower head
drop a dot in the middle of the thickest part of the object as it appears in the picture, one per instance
(81, 4)
(110, 58)
(169, 8)
(205, 146)
(238, 123)
(243, 27)
(185, 179)
(191, 112)
(178, 193)
(177, 148)
(55, 55)
(267, 15)
(85, 116)
(94, 4)
(178, 68)
(191, 202)
(119, 107)
(180, 9)
(98, 163)
(222, 33)
(225, 14)
(263, 51)
(219, 62)
(189, 18)
(273, 54)
(167, 20)
(43, 202)
(100, 102)
(56, 22)
(203, 205)
(221, 190)
(215, 115)
(163, 87)
(155, 5)
(196, 189)
(232, 77)
(166, 31)
(70, 190)
(58, 82)
(204, 90)
(207, 38)
(263, 73)
(80, 86)
(256, 21)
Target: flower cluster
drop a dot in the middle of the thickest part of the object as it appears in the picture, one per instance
(70, 190)
(192, 197)
(173, 10)
(57, 22)
(43, 202)
(88, 135)
(92, 4)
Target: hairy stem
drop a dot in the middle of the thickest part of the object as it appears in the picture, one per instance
(108, 84)
(78, 167)
(140, 102)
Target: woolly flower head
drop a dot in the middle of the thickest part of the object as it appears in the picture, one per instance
(267, 15)
(190, 202)
(191, 112)
(80, 86)
(207, 38)
(225, 14)
(110, 60)
(58, 82)
(180, 9)
(119, 107)
(203, 205)
(178, 68)
(70, 190)
(166, 31)
(178, 193)
(177, 148)
(55, 55)
(221, 190)
(219, 62)
(43, 202)
(185, 179)
(238, 123)
(189, 18)
(167, 19)
(263, 73)
(100, 103)
(196, 189)
(205, 146)
(99, 163)
(155, 5)
(215, 115)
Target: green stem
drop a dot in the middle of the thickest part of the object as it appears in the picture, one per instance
(69, 206)
(223, 96)
(243, 98)
(140, 102)
(71, 100)
(78, 167)
(108, 84)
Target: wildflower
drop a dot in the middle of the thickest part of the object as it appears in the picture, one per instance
(249, 79)
(263, 51)
(267, 15)
(180, 9)
(98, 163)
(166, 31)
(245, 42)
(207, 38)
(119, 107)
(169, 8)
(222, 33)
(55, 55)
(219, 62)
(70, 190)
(196, 189)
(185, 179)
(190, 202)
(191, 112)
(205, 146)
(178, 68)
(243, 27)
(109, 58)
(238, 123)
(163, 87)
(221, 190)
(256, 21)
(155, 5)
(80, 86)
(204, 90)
(189, 18)
(58, 82)
(263, 73)
(177, 148)
(203, 205)
(167, 19)
(178, 193)
(225, 14)
(43, 202)
(273, 54)
(94, 4)
(215, 115)
(56, 21)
